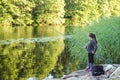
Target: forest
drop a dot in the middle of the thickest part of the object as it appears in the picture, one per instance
(46, 18)
(52, 12)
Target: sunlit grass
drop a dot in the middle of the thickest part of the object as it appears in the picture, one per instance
(108, 36)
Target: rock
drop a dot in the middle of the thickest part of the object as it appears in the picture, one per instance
(72, 78)
(109, 70)
(114, 78)
(116, 73)
(87, 77)
(70, 75)
(112, 72)
(81, 73)
(108, 67)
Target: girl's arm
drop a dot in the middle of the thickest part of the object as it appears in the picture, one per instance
(95, 47)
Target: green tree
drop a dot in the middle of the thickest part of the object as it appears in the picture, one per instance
(49, 12)
(78, 12)
(16, 12)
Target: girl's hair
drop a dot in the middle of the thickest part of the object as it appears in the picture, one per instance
(93, 36)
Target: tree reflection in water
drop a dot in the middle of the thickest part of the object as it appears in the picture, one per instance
(22, 60)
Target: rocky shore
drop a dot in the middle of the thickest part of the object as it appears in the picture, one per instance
(112, 72)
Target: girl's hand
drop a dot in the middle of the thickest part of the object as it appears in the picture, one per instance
(93, 52)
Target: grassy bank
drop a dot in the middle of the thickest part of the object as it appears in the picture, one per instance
(107, 31)
(108, 36)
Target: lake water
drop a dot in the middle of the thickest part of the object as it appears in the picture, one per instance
(27, 53)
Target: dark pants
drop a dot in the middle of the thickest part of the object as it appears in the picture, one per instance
(91, 58)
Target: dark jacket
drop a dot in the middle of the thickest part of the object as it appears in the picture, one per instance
(92, 46)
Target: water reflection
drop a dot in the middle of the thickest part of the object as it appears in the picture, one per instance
(29, 51)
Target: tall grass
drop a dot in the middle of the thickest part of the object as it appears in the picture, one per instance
(108, 35)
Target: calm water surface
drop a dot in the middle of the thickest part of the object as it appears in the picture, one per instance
(27, 53)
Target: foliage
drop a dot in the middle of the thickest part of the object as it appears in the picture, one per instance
(108, 36)
(49, 12)
(16, 12)
(79, 12)
(52, 12)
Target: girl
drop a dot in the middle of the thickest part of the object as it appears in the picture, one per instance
(91, 49)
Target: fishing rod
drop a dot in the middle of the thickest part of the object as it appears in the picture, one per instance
(78, 43)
